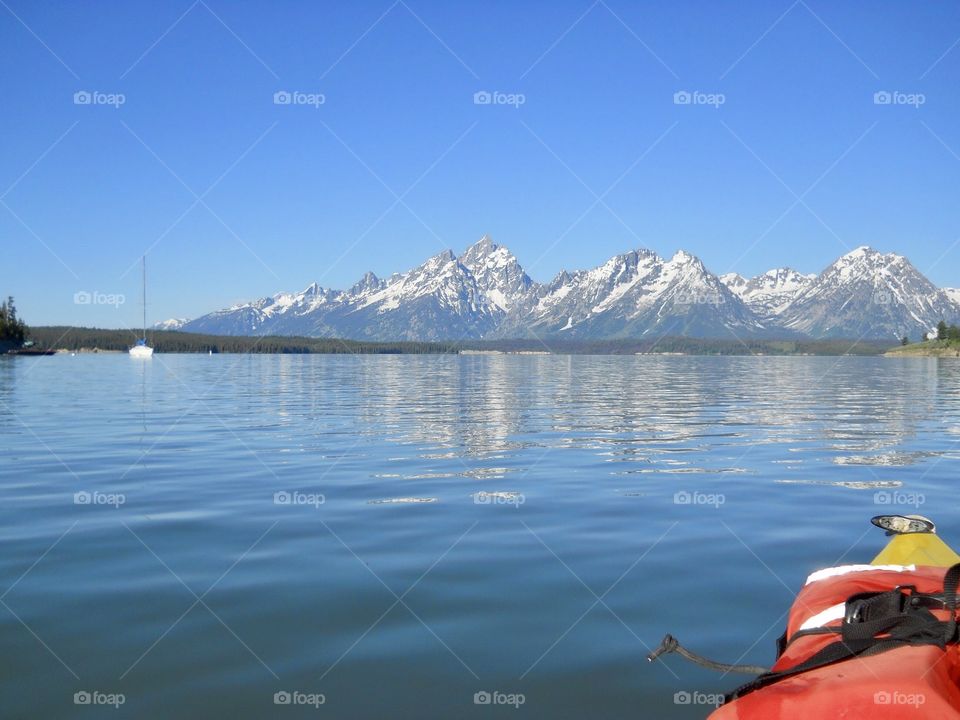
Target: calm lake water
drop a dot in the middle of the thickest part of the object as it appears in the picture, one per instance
(199, 533)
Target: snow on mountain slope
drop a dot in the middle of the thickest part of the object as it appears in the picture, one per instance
(635, 294)
(171, 324)
(770, 293)
(441, 299)
(444, 298)
(735, 281)
(497, 273)
(281, 314)
(867, 294)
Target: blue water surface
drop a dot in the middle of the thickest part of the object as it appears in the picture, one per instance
(411, 536)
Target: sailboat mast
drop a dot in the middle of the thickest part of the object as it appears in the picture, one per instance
(144, 263)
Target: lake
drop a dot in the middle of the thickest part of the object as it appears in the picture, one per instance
(436, 536)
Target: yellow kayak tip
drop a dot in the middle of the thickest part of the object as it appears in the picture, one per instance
(913, 541)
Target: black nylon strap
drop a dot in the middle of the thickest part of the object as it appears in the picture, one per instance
(933, 601)
(950, 580)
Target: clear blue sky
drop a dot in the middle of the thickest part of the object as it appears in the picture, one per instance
(308, 192)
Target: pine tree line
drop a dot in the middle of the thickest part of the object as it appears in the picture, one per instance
(165, 341)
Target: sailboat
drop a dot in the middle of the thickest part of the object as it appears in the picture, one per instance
(141, 349)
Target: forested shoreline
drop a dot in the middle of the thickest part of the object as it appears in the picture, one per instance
(78, 339)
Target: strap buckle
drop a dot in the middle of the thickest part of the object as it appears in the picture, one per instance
(888, 603)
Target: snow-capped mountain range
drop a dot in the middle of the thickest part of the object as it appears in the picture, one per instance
(484, 294)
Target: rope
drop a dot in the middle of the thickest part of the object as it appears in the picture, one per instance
(670, 644)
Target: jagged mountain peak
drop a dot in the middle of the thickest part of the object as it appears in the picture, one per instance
(868, 257)
(312, 289)
(682, 257)
(367, 283)
(562, 278)
(484, 244)
(781, 274)
(499, 276)
(441, 258)
(688, 264)
(618, 265)
(732, 278)
(487, 254)
(864, 253)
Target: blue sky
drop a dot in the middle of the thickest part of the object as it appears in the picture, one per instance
(236, 197)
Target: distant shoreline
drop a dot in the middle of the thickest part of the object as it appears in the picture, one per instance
(929, 348)
(97, 340)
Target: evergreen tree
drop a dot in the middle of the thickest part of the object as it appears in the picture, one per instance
(904, 340)
(942, 330)
(11, 327)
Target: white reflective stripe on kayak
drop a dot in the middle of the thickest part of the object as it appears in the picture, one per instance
(844, 569)
(835, 612)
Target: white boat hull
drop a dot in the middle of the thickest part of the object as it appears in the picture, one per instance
(141, 351)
